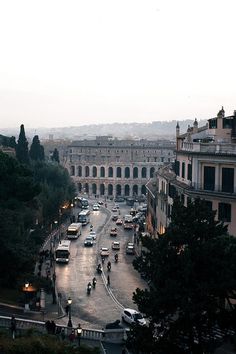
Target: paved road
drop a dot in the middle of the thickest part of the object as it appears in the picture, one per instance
(102, 305)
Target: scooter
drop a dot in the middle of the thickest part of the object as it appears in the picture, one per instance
(89, 287)
(99, 269)
(109, 266)
(94, 282)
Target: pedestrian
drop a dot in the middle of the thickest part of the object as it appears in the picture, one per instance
(53, 327)
(63, 336)
(13, 327)
(79, 332)
(72, 336)
(48, 326)
(108, 280)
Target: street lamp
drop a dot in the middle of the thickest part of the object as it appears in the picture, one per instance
(79, 332)
(69, 302)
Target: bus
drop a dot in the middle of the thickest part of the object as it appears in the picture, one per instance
(82, 203)
(84, 217)
(73, 231)
(63, 252)
(128, 222)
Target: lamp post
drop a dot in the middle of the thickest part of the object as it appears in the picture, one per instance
(79, 332)
(26, 289)
(69, 302)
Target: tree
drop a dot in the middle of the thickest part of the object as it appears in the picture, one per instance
(22, 153)
(36, 152)
(191, 274)
(55, 155)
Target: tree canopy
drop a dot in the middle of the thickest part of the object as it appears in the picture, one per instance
(55, 155)
(22, 152)
(36, 152)
(191, 275)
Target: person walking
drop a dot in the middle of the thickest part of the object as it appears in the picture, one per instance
(108, 280)
(13, 327)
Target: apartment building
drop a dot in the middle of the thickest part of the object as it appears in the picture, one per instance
(110, 167)
(205, 167)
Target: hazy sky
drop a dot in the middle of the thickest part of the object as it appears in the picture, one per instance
(65, 62)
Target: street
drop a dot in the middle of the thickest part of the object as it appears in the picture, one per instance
(104, 304)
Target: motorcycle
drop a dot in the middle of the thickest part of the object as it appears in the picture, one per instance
(94, 282)
(99, 269)
(116, 258)
(89, 287)
(109, 266)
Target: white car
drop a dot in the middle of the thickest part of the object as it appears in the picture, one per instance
(93, 234)
(104, 252)
(115, 245)
(132, 316)
(96, 207)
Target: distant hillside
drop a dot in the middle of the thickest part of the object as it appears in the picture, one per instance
(164, 130)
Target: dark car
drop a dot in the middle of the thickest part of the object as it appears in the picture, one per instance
(119, 200)
(113, 325)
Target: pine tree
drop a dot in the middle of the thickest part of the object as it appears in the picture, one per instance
(36, 152)
(22, 152)
(55, 155)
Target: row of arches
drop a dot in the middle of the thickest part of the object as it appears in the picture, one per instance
(117, 189)
(119, 172)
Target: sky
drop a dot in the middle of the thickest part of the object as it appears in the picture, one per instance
(76, 62)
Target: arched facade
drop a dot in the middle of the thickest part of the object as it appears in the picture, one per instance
(79, 186)
(86, 171)
(102, 171)
(72, 170)
(94, 188)
(118, 172)
(110, 172)
(79, 172)
(102, 189)
(135, 189)
(118, 189)
(152, 170)
(135, 172)
(143, 189)
(127, 190)
(144, 172)
(127, 172)
(110, 189)
(94, 171)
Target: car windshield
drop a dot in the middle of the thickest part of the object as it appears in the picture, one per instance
(88, 238)
(137, 316)
(92, 233)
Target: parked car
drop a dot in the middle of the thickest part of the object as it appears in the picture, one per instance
(113, 325)
(104, 252)
(88, 241)
(132, 316)
(119, 199)
(96, 207)
(115, 245)
(113, 231)
(119, 222)
(93, 234)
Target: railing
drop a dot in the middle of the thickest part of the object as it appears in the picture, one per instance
(212, 148)
(109, 335)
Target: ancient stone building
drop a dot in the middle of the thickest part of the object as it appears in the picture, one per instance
(112, 167)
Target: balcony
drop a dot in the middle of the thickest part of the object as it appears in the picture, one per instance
(199, 188)
(210, 148)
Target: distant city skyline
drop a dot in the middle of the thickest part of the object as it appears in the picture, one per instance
(71, 63)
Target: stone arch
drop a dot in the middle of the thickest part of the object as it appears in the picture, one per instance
(86, 188)
(86, 171)
(110, 172)
(102, 171)
(72, 170)
(79, 187)
(144, 172)
(135, 172)
(143, 189)
(127, 172)
(135, 189)
(127, 190)
(94, 188)
(79, 171)
(102, 189)
(118, 189)
(94, 171)
(152, 170)
(118, 172)
(110, 189)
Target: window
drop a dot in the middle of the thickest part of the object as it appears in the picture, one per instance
(189, 172)
(177, 167)
(94, 171)
(227, 180)
(224, 212)
(144, 172)
(209, 178)
(152, 170)
(102, 172)
(127, 172)
(172, 191)
(183, 169)
(135, 172)
(213, 123)
(118, 172)
(110, 172)
(227, 123)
